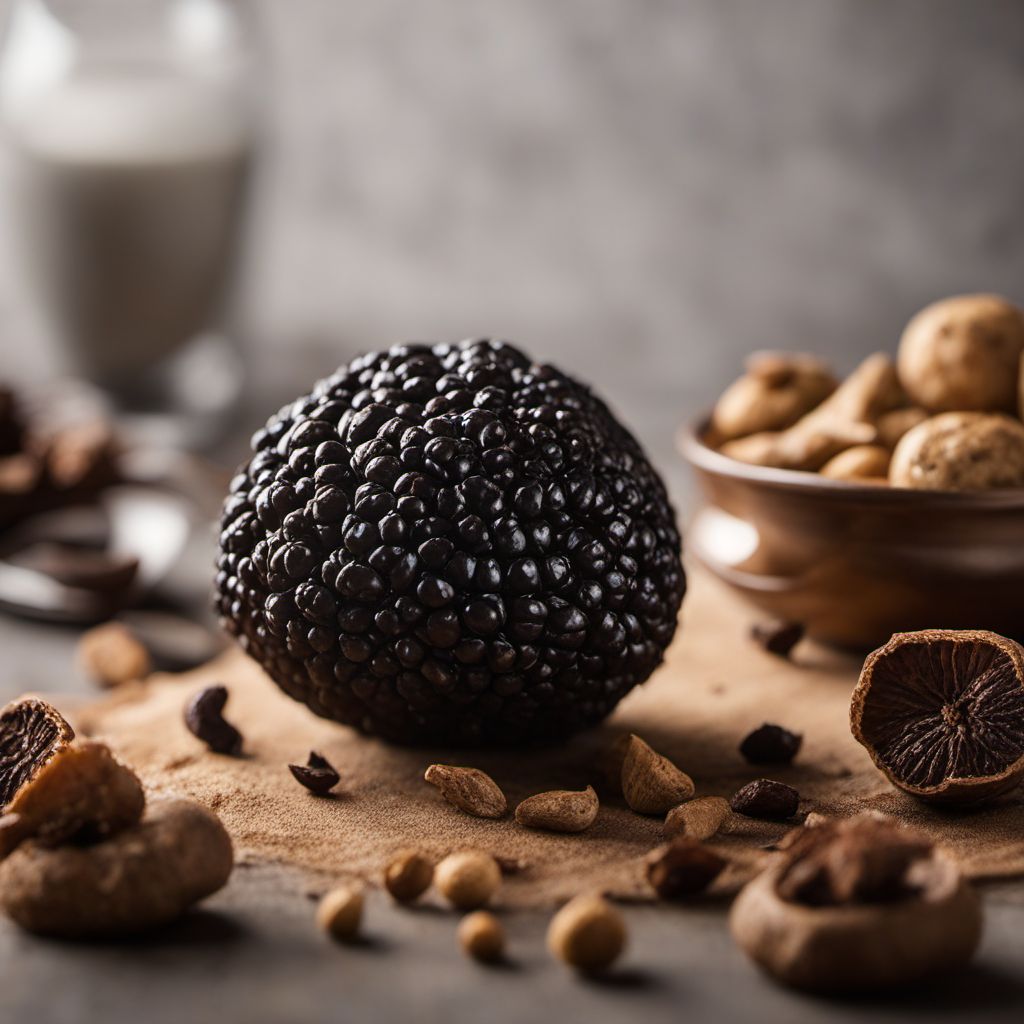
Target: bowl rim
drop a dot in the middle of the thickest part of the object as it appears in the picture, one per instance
(690, 443)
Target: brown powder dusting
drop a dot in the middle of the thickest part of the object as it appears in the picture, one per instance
(714, 688)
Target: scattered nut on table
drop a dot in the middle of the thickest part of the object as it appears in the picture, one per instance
(559, 810)
(468, 879)
(340, 912)
(588, 933)
(408, 876)
(651, 783)
(482, 936)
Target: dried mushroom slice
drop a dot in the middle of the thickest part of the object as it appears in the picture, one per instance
(942, 713)
(31, 733)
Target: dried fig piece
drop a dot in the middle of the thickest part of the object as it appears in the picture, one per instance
(896, 911)
(82, 794)
(941, 712)
(31, 733)
(682, 868)
(766, 799)
(204, 717)
(143, 877)
(771, 744)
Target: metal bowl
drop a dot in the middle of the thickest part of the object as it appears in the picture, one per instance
(856, 563)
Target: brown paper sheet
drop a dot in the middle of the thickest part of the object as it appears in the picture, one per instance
(715, 686)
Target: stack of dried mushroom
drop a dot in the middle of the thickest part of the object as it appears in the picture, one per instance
(82, 854)
(945, 416)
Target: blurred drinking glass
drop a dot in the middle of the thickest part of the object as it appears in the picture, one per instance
(131, 124)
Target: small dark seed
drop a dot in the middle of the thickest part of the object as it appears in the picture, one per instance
(767, 799)
(777, 637)
(771, 744)
(204, 716)
(682, 868)
(317, 774)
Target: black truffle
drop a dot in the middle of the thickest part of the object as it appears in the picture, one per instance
(450, 543)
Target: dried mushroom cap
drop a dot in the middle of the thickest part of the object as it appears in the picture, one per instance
(960, 451)
(942, 713)
(855, 945)
(31, 732)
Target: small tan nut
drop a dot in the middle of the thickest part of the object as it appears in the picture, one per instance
(82, 794)
(859, 948)
(846, 418)
(408, 876)
(777, 390)
(697, 819)
(961, 451)
(861, 462)
(482, 937)
(893, 425)
(560, 810)
(469, 789)
(651, 783)
(468, 879)
(963, 355)
(144, 876)
(340, 912)
(111, 655)
(588, 933)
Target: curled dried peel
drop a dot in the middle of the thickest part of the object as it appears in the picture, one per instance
(942, 713)
(31, 733)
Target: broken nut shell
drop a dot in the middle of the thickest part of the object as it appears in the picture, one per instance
(560, 810)
(651, 783)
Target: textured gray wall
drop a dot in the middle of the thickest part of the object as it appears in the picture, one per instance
(640, 190)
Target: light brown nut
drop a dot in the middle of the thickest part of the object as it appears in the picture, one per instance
(862, 462)
(697, 819)
(482, 937)
(560, 810)
(588, 933)
(963, 354)
(469, 789)
(408, 876)
(776, 391)
(651, 783)
(961, 451)
(142, 877)
(893, 425)
(111, 655)
(340, 912)
(82, 794)
(468, 879)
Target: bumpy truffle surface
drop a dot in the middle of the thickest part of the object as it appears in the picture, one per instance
(451, 543)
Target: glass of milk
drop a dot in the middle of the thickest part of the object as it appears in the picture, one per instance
(131, 132)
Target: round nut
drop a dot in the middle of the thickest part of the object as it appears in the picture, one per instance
(408, 876)
(861, 462)
(468, 879)
(859, 948)
(588, 933)
(482, 936)
(142, 877)
(112, 655)
(960, 451)
(341, 912)
(962, 355)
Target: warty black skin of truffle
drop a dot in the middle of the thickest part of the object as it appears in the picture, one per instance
(451, 544)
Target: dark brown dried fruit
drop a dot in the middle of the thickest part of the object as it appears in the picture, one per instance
(858, 861)
(777, 637)
(317, 774)
(942, 713)
(767, 799)
(204, 717)
(682, 868)
(31, 733)
(771, 744)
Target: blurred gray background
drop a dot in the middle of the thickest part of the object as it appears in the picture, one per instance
(638, 191)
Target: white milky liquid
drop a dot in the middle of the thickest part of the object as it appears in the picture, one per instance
(127, 197)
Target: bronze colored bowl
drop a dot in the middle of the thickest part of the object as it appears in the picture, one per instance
(856, 563)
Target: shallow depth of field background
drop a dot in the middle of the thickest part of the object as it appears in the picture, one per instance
(638, 191)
